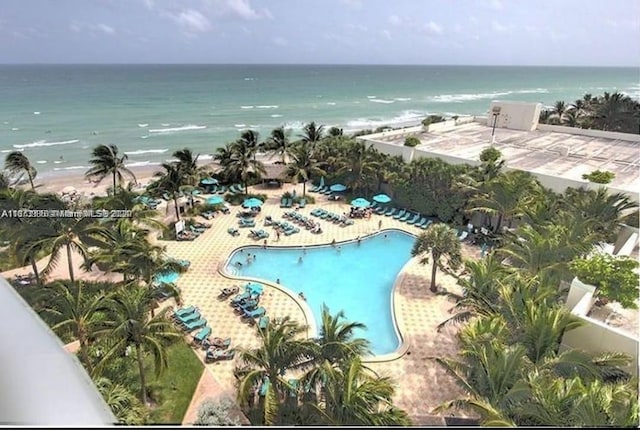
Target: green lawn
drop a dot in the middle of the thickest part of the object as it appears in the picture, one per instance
(173, 391)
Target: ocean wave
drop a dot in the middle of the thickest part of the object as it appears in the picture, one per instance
(45, 143)
(408, 116)
(143, 125)
(247, 107)
(146, 136)
(371, 97)
(165, 124)
(142, 163)
(460, 98)
(381, 101)
(268, 107)
(36, 113)
(276, 115)
(71, 168)
(331, 103)
(58, 162)
(239, 125)
(4, 151)
(205, 157)
(249, 79)
(175, 129)
(41, 161)
(15, 129)
(402, 99)
(146, 151)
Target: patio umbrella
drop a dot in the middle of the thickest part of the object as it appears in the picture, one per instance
(382, 198)
(252, 203)
(337, 188)
(215, 200)
(254, 288)
(360, 203)
(209, 181)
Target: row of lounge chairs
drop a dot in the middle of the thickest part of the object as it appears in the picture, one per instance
(189, 319)
(212, 214)
(332, 217)
(321, 190)
(246, 304)
(411, 218)
(287, 229)
(303, 221)
(147, 201)
(258, 234)
(246, 222)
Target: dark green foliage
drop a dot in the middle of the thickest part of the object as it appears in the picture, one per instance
(599, 176)
(411, 141)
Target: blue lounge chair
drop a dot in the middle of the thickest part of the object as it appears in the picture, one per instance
(390, 211)
(427, 224)
(422, 222)
(302, 203)
(241, 297)
(400, 214)
(256, 313)
(264, 387)
(405, 217)
(283, 202)
(247, 305)
(195, 325)
(413, 220)
(263, 322)
(184, 311)
(204, 333)
(189, 318)
(463, 235)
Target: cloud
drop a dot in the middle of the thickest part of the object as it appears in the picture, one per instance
(433, 28)
(192, 21)
(149, 4)
(354, 4)
(240, 9)
(395, 20)
(78, 27)
(280, 41)
(494, 4)
(387, 34)
(497, 27)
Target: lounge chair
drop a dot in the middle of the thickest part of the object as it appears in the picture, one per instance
(233, 231)
(188, 318)
(203, 334)
(420, 223)
(226, 292)
(263, 322)
(256, 313)
(216, 343)
(427, 224)
(405, 217)
(400, 214)
(283, 202)
(413, 220)
(195, 325)
(196, 229)
(246, 306)
(463, 235)
(241, 297)
(390, 211)
(219, 354)
(302, 203)
(183, 312)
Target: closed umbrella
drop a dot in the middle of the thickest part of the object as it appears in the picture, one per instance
(382, 198)
(360, 203)
(252, 203)
(337, 188)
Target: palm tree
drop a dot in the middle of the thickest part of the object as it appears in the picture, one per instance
(130, 324)
(439, 241)
(492, 163)
(335, 132)
(105, 162)
(70, 234)
(302, 165)
(243, 162)
(124, 405)
(354, 395)
(81, 313)
(559, 109)
(170, 182)
(18, 163)
(281, 350)
(336, 342)
(188, 166)
(279, 143)
(251, 139)
(312, 133)
(610, 110)
(359, 165)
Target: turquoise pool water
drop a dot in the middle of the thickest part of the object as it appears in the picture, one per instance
(168, 278)
(355, 278)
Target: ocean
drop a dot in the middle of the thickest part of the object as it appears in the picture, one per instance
(55, 114)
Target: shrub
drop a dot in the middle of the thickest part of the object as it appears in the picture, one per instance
(599, 176)
(411, 141)
(237, 199)
(432, 119)
(211, 413)
(614, 277)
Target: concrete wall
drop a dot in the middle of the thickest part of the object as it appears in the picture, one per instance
(596, 336)
(515, 115)
(592, 133)
(448, 158)
(393, 149)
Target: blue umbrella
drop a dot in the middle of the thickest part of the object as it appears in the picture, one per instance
(209, 181)
(337, 187)
(360, 203)
(215, 200)
(382, 198)
(254, 288)
(252, 203)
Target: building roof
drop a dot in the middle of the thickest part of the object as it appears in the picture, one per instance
(553, 153)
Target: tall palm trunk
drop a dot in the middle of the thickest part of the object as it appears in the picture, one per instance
(175, 204)
(143, 382)
(70, 262)
(114, 182)
(499, 223)
(82, 338)
(304, 189)
(33, 188)
(34, 267)
(434, 269)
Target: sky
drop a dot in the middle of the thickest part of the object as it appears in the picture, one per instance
(449, 32)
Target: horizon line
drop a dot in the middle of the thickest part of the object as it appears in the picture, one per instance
(314, 64)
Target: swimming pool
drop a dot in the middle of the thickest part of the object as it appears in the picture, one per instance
(356, 278)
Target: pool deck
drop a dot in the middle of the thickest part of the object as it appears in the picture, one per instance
(421, 383)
